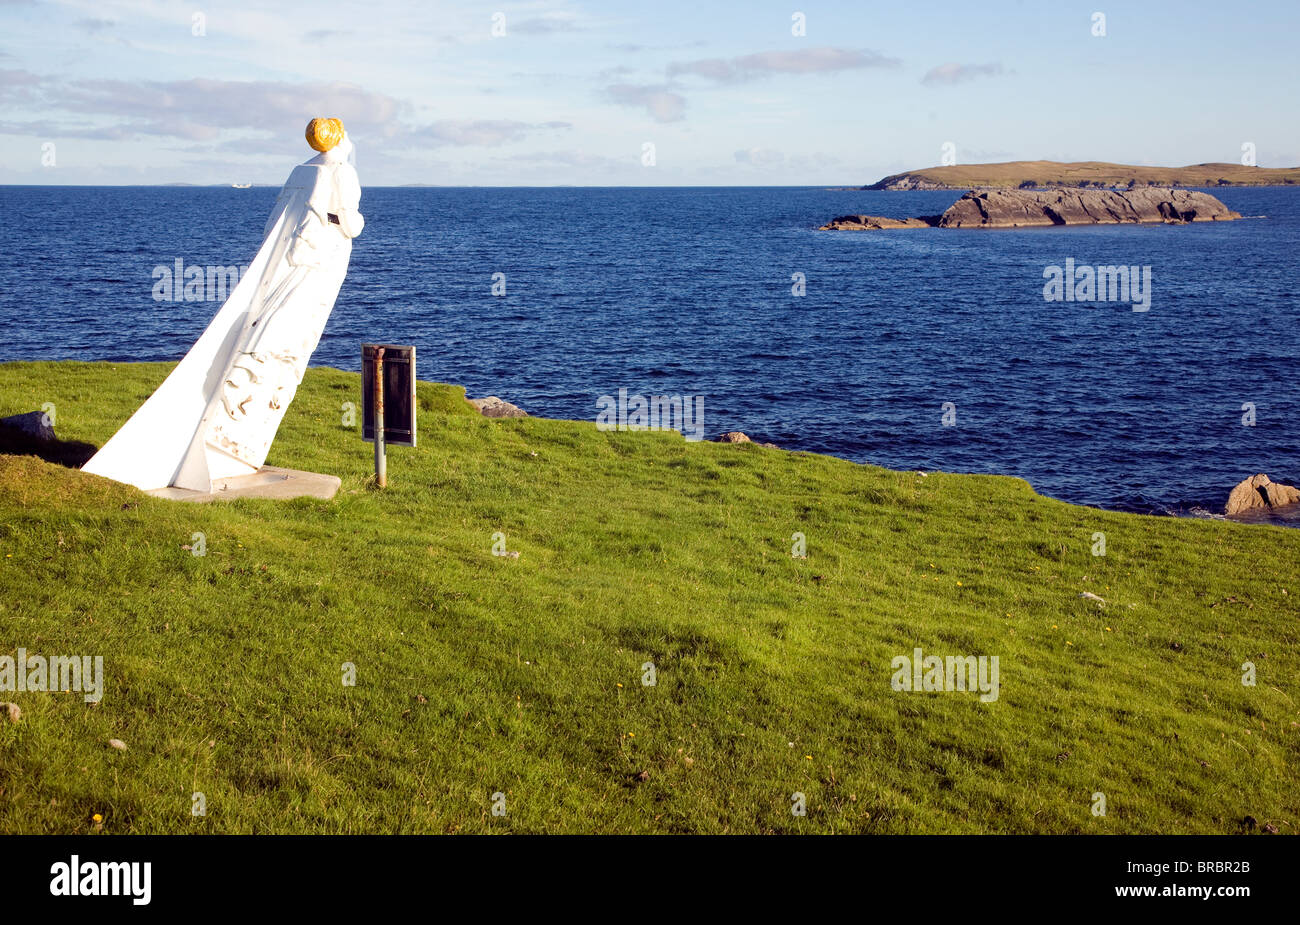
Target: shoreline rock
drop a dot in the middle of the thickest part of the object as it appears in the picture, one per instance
(1259, 492)
(493, 407)
(736, 436)
(1027, 208)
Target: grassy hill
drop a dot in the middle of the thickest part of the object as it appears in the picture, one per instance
(479, 674)
(1085, 173)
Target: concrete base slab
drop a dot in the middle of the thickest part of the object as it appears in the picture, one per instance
(267, 482)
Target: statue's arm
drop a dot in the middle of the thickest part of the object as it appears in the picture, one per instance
(347, 198)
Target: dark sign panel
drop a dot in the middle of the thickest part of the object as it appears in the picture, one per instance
(399, 394)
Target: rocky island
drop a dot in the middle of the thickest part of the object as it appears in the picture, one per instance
(1084, 175)
(1023, 208)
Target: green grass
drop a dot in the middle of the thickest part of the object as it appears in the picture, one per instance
(479, 673)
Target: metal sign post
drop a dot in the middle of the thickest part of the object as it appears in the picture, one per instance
(387, 401)
(381, 458)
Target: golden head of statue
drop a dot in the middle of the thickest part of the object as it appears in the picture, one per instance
(324, 134)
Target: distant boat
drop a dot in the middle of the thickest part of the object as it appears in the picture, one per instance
(241, 185)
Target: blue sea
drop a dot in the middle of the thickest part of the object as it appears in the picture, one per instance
(689, 292)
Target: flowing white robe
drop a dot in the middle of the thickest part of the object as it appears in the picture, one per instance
(216, 414)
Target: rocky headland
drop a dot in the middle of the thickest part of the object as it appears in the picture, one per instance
(1084, 175)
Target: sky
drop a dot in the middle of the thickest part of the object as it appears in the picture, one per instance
(583, 93)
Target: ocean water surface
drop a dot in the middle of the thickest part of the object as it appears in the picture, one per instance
(689, 292)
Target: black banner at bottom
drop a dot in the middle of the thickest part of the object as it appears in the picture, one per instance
(331, 874)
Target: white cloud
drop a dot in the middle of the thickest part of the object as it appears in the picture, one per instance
(544, 25)
(481, 132)
(659, 100)
(203, 110)
(760, 157)
(953, 73)
(95, 25)
(822, 60)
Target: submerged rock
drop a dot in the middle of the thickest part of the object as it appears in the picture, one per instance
(877, 222)
(1259, 491)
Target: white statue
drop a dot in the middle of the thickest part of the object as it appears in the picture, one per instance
(215, 416)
